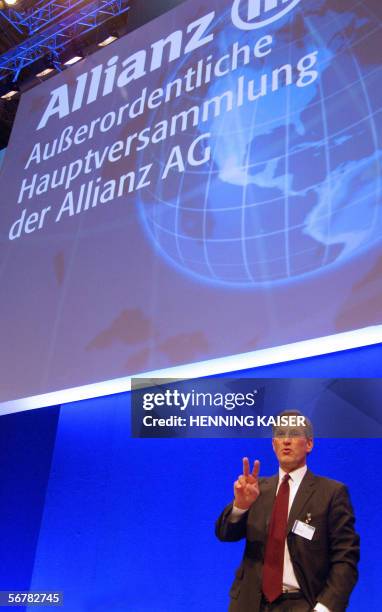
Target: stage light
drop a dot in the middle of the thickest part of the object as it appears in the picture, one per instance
(107, 41)
(73, 60)
(9, 95)
(44, 73)
(10, 2)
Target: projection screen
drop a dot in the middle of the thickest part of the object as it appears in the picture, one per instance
(203, 191)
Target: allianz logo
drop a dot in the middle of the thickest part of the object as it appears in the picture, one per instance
(259, 13)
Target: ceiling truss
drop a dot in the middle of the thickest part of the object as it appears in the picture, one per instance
(51, 27)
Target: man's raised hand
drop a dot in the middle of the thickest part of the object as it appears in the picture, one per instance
(246, 487)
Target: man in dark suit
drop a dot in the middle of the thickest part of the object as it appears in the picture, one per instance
(301, 549)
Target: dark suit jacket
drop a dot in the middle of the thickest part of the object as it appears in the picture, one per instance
(325, 567)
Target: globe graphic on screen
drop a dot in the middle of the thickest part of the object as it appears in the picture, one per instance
(291, 178)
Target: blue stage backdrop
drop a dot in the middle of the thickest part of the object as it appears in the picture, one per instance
(127, 525)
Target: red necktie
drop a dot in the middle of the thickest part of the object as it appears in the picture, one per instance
(275, 545)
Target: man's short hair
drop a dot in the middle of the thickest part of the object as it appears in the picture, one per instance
(306, 429)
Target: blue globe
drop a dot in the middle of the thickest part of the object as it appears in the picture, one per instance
(292, 181)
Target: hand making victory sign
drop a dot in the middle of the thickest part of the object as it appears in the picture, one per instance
(246, 487)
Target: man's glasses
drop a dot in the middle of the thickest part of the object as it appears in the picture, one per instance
(285, 432)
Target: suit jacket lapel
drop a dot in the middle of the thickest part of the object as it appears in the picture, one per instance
(305, 491)
(268, 494)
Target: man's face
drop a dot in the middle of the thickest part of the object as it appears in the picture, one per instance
(291, 447)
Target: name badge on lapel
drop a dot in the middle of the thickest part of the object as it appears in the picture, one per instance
(303, 529)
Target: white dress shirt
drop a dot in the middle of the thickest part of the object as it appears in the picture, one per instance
(290, 582)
